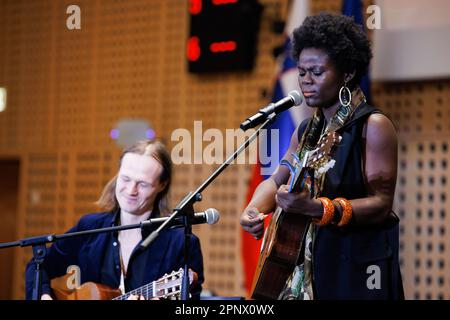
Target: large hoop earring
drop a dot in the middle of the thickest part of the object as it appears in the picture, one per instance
(345, 101)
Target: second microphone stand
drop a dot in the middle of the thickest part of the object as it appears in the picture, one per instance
(185, 207)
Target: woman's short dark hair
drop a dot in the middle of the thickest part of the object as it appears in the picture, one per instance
(345, 42)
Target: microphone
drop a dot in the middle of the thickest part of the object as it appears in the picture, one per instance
(293, 99)
(209, 216)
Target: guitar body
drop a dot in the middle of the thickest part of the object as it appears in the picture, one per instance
(283, 238)
(87, 291)
(167, 287)
(279, 255)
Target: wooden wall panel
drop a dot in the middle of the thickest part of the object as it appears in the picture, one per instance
(9, 173)
(419, 112)
(68, 89)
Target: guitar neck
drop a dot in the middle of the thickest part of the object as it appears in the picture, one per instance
(147, 291)
(168, 286)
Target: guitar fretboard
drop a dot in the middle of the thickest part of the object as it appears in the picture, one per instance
(168, 286)
(147, 291)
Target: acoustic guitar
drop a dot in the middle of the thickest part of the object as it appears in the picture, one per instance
(167, 287)
(283, 238)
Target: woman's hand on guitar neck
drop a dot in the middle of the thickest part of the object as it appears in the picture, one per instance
(252, 221)
(298, 202)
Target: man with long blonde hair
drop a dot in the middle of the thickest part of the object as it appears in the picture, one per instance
(136, 193)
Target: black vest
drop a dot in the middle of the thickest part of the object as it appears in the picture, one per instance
(354, 262)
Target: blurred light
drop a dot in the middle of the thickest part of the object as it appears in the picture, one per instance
(150, 133)
(127, 132)
(35, 197)
(114, 133)
(2, 99)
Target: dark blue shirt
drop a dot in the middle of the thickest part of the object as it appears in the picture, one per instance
(97, 256)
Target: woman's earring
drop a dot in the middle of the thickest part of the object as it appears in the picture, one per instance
(345, 95)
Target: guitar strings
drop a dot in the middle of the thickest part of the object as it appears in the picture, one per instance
(146, 291)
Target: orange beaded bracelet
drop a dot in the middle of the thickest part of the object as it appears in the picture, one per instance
(347, 211)
(328, 212)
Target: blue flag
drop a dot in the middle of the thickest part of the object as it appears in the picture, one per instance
(354, 8)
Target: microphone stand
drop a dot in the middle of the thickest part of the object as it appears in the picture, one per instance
(185, 207)
(40, 250)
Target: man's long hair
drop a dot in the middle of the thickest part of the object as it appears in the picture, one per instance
(151, 148)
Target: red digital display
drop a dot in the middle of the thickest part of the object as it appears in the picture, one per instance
(224, 46)
(223, 35)
(220, 2)
(195, 6)
(193, 49)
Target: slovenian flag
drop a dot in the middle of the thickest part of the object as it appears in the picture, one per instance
(285, 123)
